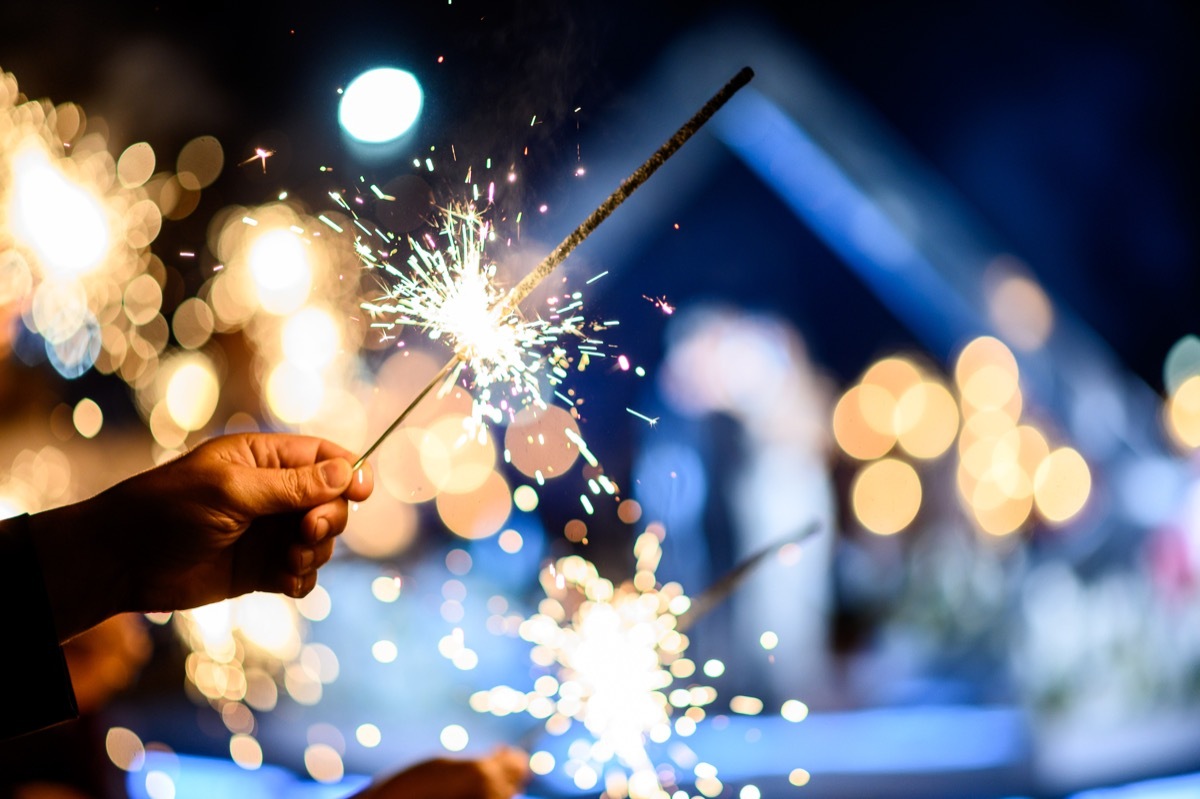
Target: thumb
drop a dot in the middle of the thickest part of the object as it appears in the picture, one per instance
(268, 491)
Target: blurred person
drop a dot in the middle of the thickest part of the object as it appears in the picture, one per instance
(746, 423)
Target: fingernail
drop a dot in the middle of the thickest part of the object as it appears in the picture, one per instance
(336, 472)
(306, 558)
(322, 528)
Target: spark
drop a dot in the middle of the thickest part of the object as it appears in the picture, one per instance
(660, 303)
(260, 154)
(612, 654)
(652, 421)
(450, 291)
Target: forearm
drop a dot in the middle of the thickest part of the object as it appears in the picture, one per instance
(35, 671)
(84, 576)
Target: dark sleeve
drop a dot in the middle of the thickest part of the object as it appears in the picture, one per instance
(35, 686)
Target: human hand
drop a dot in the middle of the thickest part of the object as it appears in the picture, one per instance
(239, 513)
(499, 775)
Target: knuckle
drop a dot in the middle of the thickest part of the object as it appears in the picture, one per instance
(294, 486)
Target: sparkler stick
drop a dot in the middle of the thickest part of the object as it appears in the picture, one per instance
(439, 377)
(527, 284)
(719, 591)
(627, 187)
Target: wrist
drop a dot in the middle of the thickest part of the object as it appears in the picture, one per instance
(82, 570)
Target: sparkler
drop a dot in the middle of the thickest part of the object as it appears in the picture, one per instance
(501, 312)
(452, 294)
(618, 650)
(719, 591)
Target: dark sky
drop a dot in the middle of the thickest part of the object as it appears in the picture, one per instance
(1071, 128)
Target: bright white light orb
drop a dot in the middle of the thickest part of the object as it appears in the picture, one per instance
(380, 105)
(58, 219)
(281, 270)
(311, 338)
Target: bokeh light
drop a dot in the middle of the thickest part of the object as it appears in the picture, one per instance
(477, 513)
(199, 163)
(245, 750)
(380, 105)
(1017, 305)
(454, 738)
(886, 495)
(136, 164)
(87, 417)
(854, 434)
(281, 270)
(323, 763)
(311, 338)
(294, 394)
(926, 419)
(539, 441)
(43, 203)
(457, 454)
(368, 735)
(192, 390)
(125, 749)
(1182, 413)
(1062, 485)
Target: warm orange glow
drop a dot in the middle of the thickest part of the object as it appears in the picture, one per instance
(478, 513)
(1021, 311)
(457, 454)
(399, 466)
(894, 375)
(192, 391)
(981, 352)
(381, 527)
(926, 420)
(537, 442)
(854, 435)
(1182, 413)
(990, 387)
(1002, 518)
(281, 268)
(88, 418)
(323, 763)
(886, 496)
(1062, 484)
(200, 162)
(136, 165)
(629, 511)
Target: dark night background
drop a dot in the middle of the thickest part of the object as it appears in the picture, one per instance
(1070, 127)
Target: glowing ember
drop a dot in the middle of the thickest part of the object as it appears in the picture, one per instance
(260, 154)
